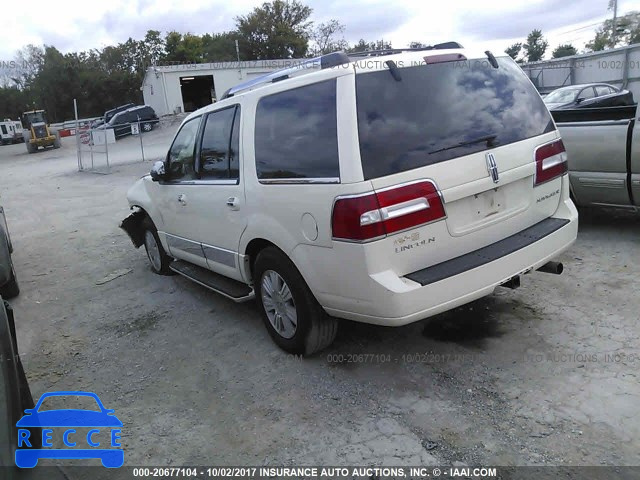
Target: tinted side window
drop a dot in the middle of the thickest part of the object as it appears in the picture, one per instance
(215, 154)
(181, 161)
(146, 113)
(296, 133)
(587, 93)
(234, 150)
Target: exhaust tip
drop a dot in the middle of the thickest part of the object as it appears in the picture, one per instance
(552, 267)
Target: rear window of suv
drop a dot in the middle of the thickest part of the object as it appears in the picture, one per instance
(442, 111)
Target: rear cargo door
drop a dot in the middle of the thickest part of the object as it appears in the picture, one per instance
(471, 129)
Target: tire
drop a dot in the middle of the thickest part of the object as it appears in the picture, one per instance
(11, 289)
(311, 329)
(158, 258)
(31, 148)
(56, 142)
(147, 127)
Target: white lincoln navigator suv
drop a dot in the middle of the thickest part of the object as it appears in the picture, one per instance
(383, 189)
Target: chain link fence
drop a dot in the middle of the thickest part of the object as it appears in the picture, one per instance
(102, 146)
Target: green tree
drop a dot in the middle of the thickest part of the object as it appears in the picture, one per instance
(327, 37)
(219, 47)
(187, 48)
(627, 33)
(13, 101)
(417, 45)
(599, 42)
(28, 61)
(514, 50)
(151, 48)
(364, 46)
(275, 30)
(564, 50)
(536, 46)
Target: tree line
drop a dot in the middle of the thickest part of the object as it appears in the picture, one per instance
(625, 32)
(44, 77)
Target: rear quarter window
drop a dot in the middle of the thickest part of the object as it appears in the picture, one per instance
(296, 133)
(423, 118)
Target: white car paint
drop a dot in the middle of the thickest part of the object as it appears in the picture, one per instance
(367, 281)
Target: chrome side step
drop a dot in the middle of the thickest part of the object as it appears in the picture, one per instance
(232, 289)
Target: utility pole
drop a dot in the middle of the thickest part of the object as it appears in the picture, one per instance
(238, 55)
(615, 20)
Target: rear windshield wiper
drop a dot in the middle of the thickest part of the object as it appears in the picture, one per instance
(487, 138)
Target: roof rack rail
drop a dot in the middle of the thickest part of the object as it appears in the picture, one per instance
(391, 51)
(319, 63)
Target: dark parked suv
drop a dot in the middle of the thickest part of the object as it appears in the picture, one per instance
(121, 122)
(108, 115)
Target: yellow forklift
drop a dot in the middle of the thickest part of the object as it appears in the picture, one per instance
(37, 131)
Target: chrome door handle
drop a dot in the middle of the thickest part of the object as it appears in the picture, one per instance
(182, 199)
(233, 203)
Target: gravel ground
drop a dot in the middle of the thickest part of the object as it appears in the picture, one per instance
(543, 375)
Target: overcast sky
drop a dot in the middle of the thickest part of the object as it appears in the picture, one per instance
(75, 25)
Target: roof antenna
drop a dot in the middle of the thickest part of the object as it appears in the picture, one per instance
(395, 71)
(492, 59)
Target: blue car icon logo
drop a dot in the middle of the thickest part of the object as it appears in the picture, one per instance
(68, 420)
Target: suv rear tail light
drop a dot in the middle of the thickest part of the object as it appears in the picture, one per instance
(374, 215)
(551, 162)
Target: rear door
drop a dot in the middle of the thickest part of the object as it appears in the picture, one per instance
(473, 131)
(597, 153)
(635, 161)
(217, 207)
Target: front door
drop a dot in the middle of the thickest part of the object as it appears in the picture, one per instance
(171, 195)
(210, 208)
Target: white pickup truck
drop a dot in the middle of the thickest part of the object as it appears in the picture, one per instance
(603, 145)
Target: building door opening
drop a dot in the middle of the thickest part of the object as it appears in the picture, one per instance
(197, 92)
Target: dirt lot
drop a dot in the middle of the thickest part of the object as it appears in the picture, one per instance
(545, 375)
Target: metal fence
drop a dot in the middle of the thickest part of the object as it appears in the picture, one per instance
(95, 145)
(619, 67)
(99, 147)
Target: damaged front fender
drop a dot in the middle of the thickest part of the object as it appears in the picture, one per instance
(134, 227)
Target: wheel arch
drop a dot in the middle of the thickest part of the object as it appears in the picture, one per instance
(133, 225)
(251, 251)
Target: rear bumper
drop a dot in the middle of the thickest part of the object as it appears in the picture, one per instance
(396, 301)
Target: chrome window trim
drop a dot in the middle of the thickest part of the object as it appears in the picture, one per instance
(204, 182)
(294, 181)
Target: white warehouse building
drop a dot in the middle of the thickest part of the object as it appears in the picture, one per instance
(171, 89)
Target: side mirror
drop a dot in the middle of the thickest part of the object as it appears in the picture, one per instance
(157, 171)
(579, 101)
